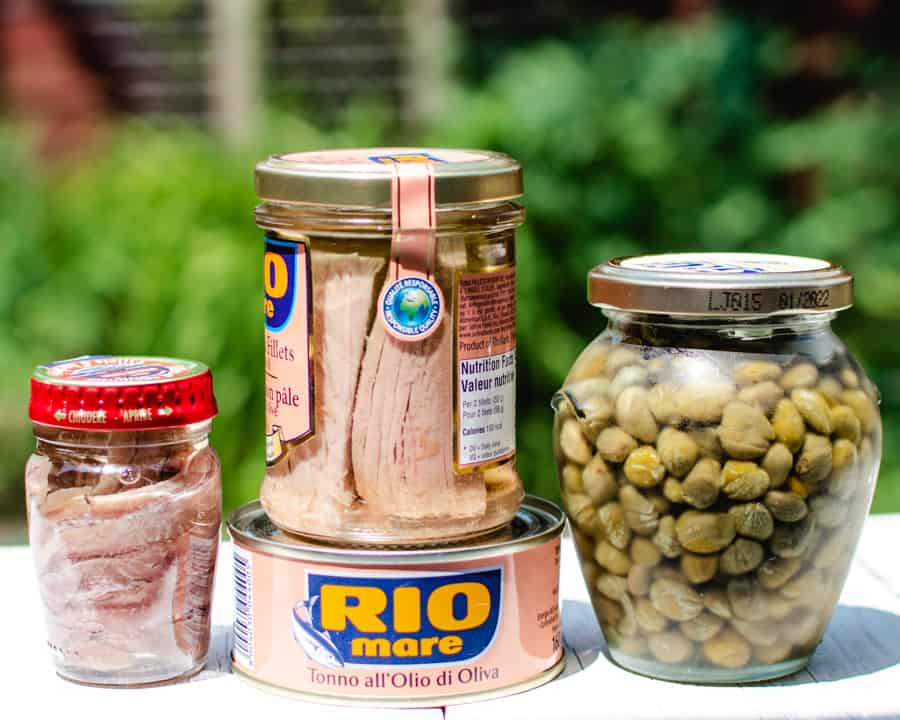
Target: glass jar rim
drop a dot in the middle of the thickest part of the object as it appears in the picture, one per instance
(720, 284)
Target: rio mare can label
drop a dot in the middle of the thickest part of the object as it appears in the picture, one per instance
(404, 633)
(289, 379)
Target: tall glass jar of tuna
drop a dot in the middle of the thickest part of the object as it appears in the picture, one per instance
(389, 308)
(717, 447)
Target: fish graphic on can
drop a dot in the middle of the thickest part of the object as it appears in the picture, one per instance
(317, 644)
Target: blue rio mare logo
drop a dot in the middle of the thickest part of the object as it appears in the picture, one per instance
(280, 267)
(411, 307)
(420, 619)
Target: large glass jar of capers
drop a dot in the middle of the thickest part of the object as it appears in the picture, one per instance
(717, 449)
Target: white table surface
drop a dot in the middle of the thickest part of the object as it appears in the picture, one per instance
(855, 673)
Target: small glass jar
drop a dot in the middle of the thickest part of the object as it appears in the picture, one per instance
(718, 448)
(124, 500)
(390, 343)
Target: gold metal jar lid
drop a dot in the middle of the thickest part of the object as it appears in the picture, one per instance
(363, 177)
(717, 284)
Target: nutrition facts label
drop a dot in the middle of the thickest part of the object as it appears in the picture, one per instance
(486, 370)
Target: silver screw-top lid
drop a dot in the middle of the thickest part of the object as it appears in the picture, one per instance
(720, 284)
(363, 177)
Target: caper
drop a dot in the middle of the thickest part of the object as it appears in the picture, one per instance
(776, 571)
(763, 633)
(804, 375)
(801, 488)
(598, 481)
(611, 558)
(728, 649)
(814, 409)
(864, 408)
(843, 454)
(660, 504)
(849, 378)
(640, 514)
(786, 506)
(581, 510)
(611, 519)
(639, 578)
(744, 480)
(777, 463)
(748, 601)
(845, 424)
(765, 396)
(807, 587)
(590, 363)
(814, 462)
(704, 532)
(702, 484)
(626, 377)
(644, 468)
(614, 444)
(634, 416)
(571, 480)
(716, 601)
(745, 432)
(702, 627)
(609, 612)
(704, 402)
(621, 356)
(670, 647)
(741, 557)
(665, 538)
(573, 443)
(788, 425)
(649, 619)
(830, 551)
(612, 586)
(662, 400)
(829, 512)
(756, 371)
(830, 388)
(589, 402)
(673, 490)
(675, 600)
(677, 450)
(779, 608)
(707, 439)
(791, 541)
(644, 552)
(752, 520)
(699, 568)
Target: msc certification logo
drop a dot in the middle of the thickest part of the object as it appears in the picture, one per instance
(409, 620)
(411, 308)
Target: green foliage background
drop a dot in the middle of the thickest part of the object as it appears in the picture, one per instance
(638, 138)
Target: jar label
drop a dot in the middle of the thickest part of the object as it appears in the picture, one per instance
(485, 367)
(289, 378)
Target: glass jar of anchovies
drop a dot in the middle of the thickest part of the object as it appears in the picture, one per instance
(389, 309)
(717, 448)
(124, 501)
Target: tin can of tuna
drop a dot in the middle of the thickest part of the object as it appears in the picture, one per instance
(402, 627)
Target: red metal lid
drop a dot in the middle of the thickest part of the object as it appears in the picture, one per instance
(110, 392)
